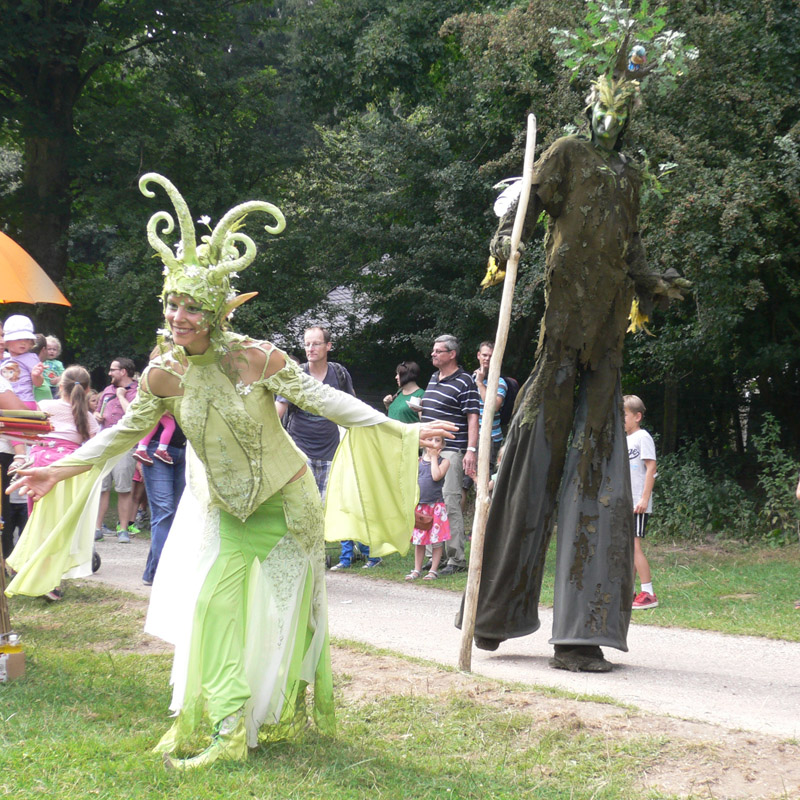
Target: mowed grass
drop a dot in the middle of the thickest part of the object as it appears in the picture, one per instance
(82, 722)
(728, 587)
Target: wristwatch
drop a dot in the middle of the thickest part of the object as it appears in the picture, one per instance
(472, 449)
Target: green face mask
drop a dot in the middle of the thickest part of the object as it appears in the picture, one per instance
(607, 124)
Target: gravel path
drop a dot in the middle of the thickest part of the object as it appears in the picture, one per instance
(738, 682)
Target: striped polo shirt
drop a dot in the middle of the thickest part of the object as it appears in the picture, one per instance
(450, 399)
(502, 391)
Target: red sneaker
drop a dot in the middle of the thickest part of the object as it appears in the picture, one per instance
(645, 600)
(141, 456)
(163, 455)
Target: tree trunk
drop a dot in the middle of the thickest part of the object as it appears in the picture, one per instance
(46, 197)
(669, 440)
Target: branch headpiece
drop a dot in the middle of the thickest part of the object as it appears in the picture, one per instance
(204, 271)
(618, 88)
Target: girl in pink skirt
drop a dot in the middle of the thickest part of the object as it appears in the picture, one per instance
(70, 417)
(432, 527)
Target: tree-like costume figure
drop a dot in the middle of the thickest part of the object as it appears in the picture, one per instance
(595, 267)
(240, 589)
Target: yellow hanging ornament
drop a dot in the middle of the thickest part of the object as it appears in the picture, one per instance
(637, 319)
(494, 274)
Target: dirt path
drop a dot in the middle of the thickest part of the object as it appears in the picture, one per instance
(727, 706)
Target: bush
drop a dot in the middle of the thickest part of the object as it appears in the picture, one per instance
(694, 502)
(691, 504)
(779, 515)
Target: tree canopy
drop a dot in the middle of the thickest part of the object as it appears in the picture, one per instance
(380, 129)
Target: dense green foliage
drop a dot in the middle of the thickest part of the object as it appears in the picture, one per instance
(380, 129)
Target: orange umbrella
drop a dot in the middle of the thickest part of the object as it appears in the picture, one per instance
(22, 280)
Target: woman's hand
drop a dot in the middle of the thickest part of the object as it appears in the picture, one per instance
(387, 401)
(429, 430)
(33, 482)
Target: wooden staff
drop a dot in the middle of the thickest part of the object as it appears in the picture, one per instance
(485, 440)
(5, 620)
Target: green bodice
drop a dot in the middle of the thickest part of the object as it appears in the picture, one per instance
(237, 434)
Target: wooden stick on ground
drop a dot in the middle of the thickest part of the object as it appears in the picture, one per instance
(5, 619)
(485, 440)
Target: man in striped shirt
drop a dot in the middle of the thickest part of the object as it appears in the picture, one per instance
(452, 396)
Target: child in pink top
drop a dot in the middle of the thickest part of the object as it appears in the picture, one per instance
(70, 417)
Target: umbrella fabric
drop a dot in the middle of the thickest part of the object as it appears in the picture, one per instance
(22, 280)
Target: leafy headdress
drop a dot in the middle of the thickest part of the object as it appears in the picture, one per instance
(204, 271)
(599, 47)
(618, 88)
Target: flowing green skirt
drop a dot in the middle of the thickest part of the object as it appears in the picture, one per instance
(259, 631)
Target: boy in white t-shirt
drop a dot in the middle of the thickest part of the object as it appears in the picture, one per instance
(642, 456)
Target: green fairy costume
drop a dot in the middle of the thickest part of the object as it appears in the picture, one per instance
(240, 586)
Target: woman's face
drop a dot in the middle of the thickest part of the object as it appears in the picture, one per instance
(397, 378)
(189, 323)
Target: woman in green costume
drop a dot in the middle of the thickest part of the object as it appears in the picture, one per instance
(247, 546)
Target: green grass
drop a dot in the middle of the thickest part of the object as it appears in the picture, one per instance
(729, 587)
(82, 721)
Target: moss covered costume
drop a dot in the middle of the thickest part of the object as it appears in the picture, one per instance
(595, 264)
(240, 588)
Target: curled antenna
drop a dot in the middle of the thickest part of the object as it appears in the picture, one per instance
(182, 211)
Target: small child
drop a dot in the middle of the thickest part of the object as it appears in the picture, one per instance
(40, 349)
(432, 469)
(21, 367)
(167, 423)
(493, 478)
(642, 456)
(53, 368)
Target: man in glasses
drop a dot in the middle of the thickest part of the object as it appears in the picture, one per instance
(318, 437)
(111, 407)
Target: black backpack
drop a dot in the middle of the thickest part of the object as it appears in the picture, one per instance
(507, 411)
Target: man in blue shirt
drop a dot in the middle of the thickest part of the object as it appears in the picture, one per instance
(481, 378)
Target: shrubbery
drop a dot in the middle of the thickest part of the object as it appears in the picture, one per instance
(694, 500)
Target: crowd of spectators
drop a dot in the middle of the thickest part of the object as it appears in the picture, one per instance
(33, 377)
(150, 479)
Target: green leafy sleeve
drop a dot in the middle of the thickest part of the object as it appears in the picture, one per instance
(372, 488)
(318, 398)
(141, 417)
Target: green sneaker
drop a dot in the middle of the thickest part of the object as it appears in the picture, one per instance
(132, 529)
